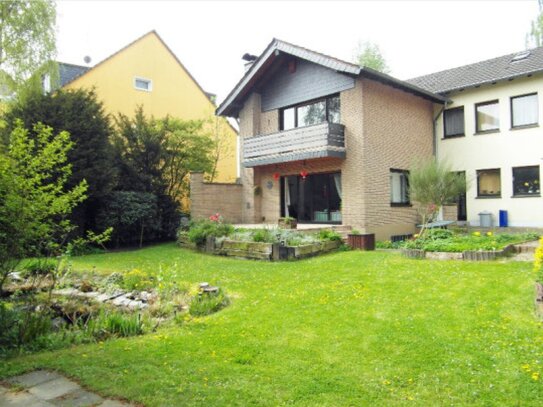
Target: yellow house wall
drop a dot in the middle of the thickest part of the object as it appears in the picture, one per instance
(173, 91)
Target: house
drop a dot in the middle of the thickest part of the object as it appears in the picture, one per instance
(326, 141)
(490, 132)
(147, 73)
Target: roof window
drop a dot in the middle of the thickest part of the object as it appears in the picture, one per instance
(520, 56)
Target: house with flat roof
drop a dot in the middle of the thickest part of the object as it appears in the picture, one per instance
(326, 141)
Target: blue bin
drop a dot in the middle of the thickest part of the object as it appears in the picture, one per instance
(503, 218)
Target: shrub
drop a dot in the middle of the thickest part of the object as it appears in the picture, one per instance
(538, 262)
(205, 304)
(139, 280)
(329, 235)
(40, 267)
(20, 327)
(264, 235)
(202, 229)
(116, 324)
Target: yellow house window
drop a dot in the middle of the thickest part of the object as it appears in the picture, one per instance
(143, 84)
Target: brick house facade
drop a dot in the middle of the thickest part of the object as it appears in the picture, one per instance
(385, 126)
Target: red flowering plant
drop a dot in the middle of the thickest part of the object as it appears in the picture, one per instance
(216, 218)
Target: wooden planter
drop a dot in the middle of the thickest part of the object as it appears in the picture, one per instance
(287, 224)
(362, 242)
(414, 253)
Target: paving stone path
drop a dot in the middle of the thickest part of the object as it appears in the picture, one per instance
(42, 388)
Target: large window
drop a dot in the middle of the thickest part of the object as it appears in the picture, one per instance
(314, 112)
(526, 181)
(489, 183)
(487, 116)
(453, 120)
(524, 110)
(399, 187)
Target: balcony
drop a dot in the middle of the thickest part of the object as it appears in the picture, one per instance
(302, 143)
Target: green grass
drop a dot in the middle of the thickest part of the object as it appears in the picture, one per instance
(345, 329)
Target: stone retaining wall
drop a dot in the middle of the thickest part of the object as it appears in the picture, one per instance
(472, 255)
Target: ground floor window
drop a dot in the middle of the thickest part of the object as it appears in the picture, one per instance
(399, 187)
(489, 183)
(313, 198)
(526, 181)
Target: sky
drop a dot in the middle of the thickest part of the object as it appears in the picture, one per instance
(209, 37)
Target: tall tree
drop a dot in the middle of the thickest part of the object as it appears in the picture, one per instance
(369, 55)
(27, 41)
(91, 158)
(534, 38)
(155, 156)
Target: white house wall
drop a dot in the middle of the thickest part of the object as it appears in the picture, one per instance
(504, 150)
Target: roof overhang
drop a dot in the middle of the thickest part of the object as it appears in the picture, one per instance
(235, 99)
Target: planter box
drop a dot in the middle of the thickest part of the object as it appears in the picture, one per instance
(362, 242)
(273, 251)
(247, 250)
(414, 253)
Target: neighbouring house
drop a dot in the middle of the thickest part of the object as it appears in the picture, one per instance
(490, 132)
(326, 141)
(147, 73)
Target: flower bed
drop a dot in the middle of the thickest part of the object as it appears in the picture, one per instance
(214, 236)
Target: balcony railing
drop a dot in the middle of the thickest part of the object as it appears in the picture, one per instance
(302, 143)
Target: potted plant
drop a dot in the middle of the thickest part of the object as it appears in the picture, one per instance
(287, 223)
(357, 240)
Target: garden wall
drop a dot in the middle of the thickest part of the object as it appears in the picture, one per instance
(266, 251)
(208, 198)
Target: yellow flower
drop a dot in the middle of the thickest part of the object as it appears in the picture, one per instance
(526, 184)
(416, 235)
(489, 233)
(535, 376)
(476, 233)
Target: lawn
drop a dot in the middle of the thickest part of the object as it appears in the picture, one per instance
(349, 328)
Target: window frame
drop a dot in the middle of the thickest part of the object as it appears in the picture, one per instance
(526, 195)
(149, 81)
(307, 103)
(406, 203)
(523, 126)
(487, 196)
(489, 102)
(463, 134)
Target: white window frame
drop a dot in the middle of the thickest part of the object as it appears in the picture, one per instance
(149, 81)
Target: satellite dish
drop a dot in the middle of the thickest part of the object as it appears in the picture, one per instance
(87, 59)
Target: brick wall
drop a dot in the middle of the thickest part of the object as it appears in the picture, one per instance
(398, 132)
(384, 128)
(209, 198)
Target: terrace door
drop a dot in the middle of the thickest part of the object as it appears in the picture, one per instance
(313, 199)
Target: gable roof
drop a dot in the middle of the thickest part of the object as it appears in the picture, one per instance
(68, 72)
(152, 32)
(484, 72)
(233, 102)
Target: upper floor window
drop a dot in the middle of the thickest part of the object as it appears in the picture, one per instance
(143, 84)
(453, 120)
(399, 187)
(524, 110)
(314, 112)
(487, 116)
(526, 181)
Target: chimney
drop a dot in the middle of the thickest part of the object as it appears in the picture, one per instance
(249, 60)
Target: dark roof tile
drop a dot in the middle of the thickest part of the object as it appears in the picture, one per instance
(480, 73)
